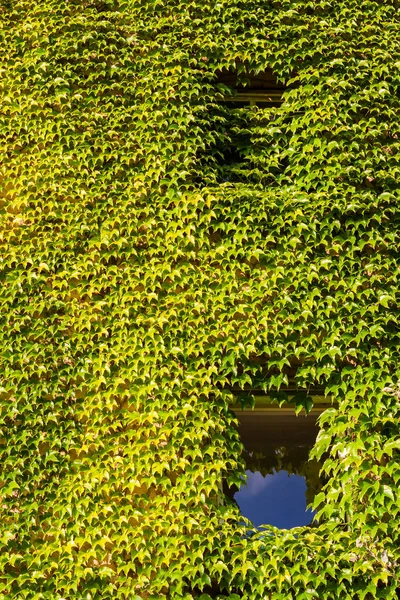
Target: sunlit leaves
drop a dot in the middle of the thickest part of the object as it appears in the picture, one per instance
(145, 276)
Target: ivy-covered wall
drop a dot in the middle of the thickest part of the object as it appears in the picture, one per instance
(159, 247)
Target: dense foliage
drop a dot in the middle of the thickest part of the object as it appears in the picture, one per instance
(159, 247)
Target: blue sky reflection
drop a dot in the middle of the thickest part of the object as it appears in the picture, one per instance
(277, 499)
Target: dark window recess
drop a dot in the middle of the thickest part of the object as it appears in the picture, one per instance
(250, 88)
(281, 480)
(245, 149)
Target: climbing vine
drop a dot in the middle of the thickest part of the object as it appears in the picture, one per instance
(161, 247)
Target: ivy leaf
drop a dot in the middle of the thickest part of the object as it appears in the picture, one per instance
(302, 400)
(388, 492)
(279, 397)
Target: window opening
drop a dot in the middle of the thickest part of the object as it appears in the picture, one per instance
(261, 89)
(281, 480)
(243, 150)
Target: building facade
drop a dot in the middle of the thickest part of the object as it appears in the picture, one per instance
(196, 200)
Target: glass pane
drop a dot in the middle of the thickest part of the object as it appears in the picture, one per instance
(277, 499)
(281, 480)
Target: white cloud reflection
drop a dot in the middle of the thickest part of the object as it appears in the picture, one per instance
(256, 484)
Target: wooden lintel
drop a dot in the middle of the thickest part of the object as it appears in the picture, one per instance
(289, 410)
(267, 96)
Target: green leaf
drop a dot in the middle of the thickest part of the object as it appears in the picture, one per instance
(388, 492)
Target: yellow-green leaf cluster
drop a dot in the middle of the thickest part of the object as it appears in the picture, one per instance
(159, 249)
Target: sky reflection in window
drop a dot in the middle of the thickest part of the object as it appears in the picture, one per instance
(281, 480)
(277, 499)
